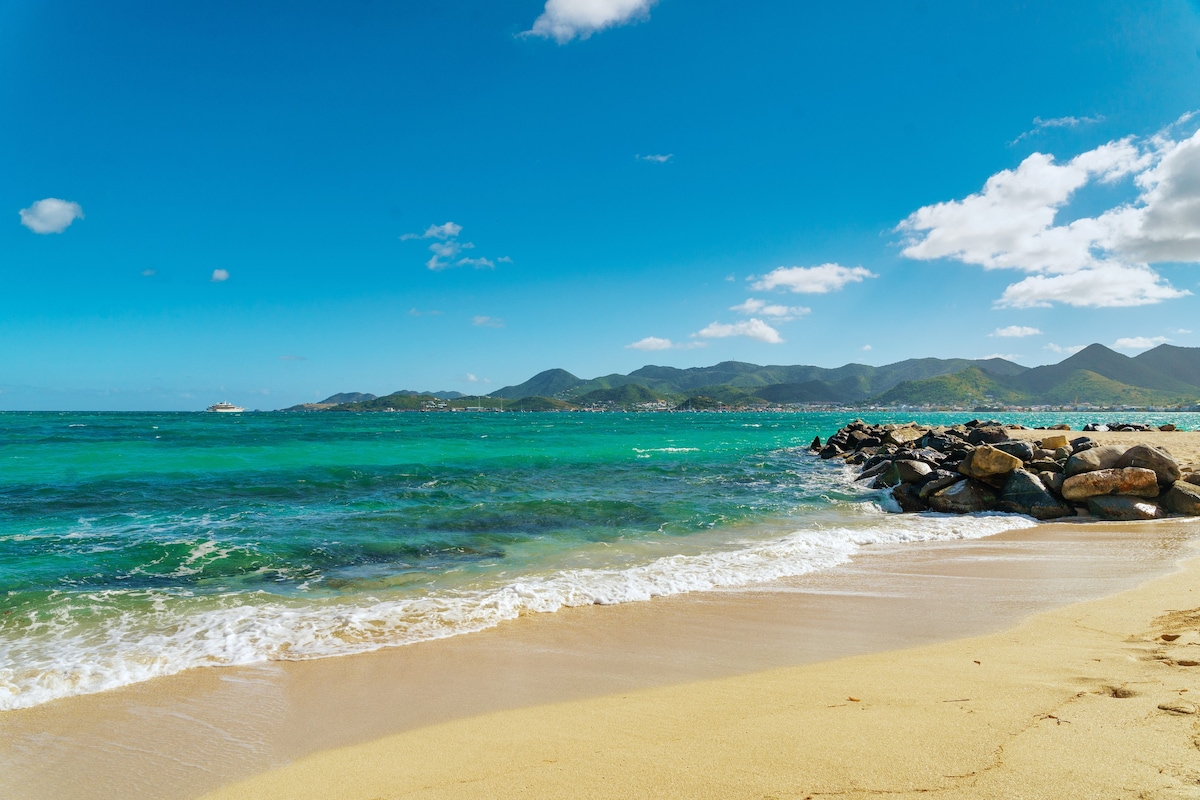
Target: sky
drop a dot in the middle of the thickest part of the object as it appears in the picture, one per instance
(270, 202)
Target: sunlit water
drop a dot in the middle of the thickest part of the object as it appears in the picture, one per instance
(137, 545)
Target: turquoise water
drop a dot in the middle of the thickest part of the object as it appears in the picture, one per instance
(136, 545)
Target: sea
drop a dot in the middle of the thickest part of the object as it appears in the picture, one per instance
(137, 545)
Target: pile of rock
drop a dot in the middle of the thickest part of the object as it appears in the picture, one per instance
(978, 467)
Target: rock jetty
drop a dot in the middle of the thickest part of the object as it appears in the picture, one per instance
(978, 466)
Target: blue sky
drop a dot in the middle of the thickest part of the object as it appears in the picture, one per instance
(271, 202)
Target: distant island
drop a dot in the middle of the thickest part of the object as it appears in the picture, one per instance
(1165, 378)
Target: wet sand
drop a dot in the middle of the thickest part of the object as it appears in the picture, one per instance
(672, 697)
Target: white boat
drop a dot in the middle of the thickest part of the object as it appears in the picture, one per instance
(225, 408)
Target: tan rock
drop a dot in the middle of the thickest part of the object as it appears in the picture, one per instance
(1135, 481)
(1053, 442)
(986, 461)
(902, 436)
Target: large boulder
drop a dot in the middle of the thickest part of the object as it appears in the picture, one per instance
(1125, 481)
(1016, 447)
(964, 497)
(1052, 481)
(816, 444)
(986, 462)
(1123, 508)
(987, 434)
(1151, 457)
(1193, 478)
(1183, 498)
(908, 497)
(1053, 442)
(912, 471)
(901, 436)
(1025, 494)
(1094, 458)
(937, 480)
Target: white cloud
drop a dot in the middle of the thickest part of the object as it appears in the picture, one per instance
(477, 263)
(473, 378)
(1015, 331)
(751, 328)
(1040, 124)
(1182, 330)
(866, 348)
(447, 248)
(50, 215)
(1139, 342)
(811, 280)
(564, 20)
(1070, 349)
(1098, 261)
(1005, 356)
(487, 322)
(658, 159)
(447, 230)
(779, 312)
(219, 275)
(657, 343)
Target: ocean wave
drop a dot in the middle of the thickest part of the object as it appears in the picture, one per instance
(45, 659)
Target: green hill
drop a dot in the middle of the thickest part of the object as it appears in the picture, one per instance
(1085, 386)
(971, 386)
(550, 383)
(1181, 363)
(627, 395)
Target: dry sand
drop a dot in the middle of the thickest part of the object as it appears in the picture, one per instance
(1089, 701)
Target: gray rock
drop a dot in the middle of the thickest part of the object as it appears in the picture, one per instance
(1194, 478)
(1016, 447)
(987, 434)
(1168, 427)
(1126, 481)
(1093, 459)
(1025, 494)
(1183, 498)
(1151, 457)
(912, 471)
(1052, 481)
(908, 497)
(1044, 465)
(937, 480)
(1064, 452)
(965, 497)
(1123, 508)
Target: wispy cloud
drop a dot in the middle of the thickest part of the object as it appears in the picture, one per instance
(1069, 350)
(50, 215)
(482, 321)
(219, 275)
(1040, 124)
(751, 328)
(779, 313)
(1005, 356)
(811, 280)
(1099, 261)
(661, 158)
(1015, 331)
(471, 377)
(149, 273)
(656, 343)
(564, 20)
(447, 248)
(1139, 342)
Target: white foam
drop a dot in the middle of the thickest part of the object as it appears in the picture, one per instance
(48, 659)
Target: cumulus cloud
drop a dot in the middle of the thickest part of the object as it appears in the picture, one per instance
(477, 263)
(1105, 260)
(780, 313)
(447, 230)
(564, 20)
(811, 280)
(50, 215)
(1069, 350)
(487, 322)
(656, 343)
(1016, 331)
(1139, 342)
(751, 328)
(473, 378)
(661, 158)
(220, 275)
(866, 348)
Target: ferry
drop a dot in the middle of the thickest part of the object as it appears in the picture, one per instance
(225, 408)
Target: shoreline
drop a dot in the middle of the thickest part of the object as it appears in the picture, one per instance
(1090, 700)
(197, 731)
